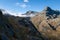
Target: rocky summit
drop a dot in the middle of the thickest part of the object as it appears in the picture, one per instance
(44, 25)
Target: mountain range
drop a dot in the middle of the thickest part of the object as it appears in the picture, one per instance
(44, 25)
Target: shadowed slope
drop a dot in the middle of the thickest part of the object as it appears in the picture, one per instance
(17, 28)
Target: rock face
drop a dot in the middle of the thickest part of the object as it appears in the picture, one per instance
(51, 13)
(48, 23)
(47, 9)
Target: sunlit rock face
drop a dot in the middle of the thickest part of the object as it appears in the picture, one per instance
(48, 23)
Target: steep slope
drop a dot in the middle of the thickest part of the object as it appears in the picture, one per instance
(48, 23)
(18, 28)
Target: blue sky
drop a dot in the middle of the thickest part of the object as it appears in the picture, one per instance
(21, 6)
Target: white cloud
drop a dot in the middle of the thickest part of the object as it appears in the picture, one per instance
(11, 13)
(16, 14)
(26, 1)
(17, 3)
(23, 5)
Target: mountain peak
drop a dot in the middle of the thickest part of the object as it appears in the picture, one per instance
(31, 12)
(47, 8)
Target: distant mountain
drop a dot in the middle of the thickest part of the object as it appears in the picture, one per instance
(31, 13)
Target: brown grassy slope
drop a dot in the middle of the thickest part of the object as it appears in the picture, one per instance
(50, 28)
